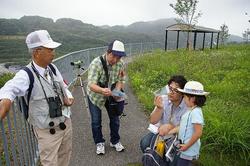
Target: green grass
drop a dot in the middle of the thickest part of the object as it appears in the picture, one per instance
(4, 78)
(226, 74)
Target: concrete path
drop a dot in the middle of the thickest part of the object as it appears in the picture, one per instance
(133, 127)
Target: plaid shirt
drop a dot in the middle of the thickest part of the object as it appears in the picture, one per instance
(96, 74)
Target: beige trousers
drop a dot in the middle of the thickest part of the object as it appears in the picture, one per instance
(55, 150)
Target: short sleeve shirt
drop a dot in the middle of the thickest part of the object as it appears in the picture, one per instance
(96, 74)
(172, 114)
(187, 129)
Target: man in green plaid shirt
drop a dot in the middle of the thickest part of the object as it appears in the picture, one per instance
(99, 90)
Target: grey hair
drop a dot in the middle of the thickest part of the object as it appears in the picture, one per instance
(31, 50)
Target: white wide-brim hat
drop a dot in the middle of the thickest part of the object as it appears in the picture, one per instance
(41, 38)
(193, 88)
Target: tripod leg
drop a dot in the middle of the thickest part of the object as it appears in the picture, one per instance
(75, 84)
(84, 93)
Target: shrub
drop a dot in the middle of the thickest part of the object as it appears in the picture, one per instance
(4, 78)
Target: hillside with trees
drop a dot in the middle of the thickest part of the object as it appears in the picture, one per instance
(73, 34)
(76, 35)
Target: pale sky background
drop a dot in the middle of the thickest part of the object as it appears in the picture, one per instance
(125, 12)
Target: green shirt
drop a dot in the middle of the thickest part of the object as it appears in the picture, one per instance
(96, 74)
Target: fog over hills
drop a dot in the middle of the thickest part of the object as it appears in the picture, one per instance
(135, 32)
(156, 29)
(76, 35)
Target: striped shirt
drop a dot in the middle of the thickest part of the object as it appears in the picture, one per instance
(96, 74)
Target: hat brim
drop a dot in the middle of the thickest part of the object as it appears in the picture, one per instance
(193, 93)
(118, 53)
(52, 44)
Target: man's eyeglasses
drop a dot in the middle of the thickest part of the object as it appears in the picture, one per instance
(44, 48)
(173, 90)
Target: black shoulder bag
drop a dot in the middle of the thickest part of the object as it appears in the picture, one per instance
(113, 107)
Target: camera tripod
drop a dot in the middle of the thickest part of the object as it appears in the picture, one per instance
(79, 82)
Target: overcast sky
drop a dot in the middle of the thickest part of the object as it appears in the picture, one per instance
(124, 12)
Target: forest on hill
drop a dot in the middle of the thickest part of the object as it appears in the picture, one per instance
(76, 35)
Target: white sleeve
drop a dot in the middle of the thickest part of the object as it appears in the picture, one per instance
(17, 86)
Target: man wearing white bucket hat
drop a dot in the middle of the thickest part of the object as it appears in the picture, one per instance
(191, 123)
(46, 95)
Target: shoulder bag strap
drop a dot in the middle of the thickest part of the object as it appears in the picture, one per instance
(105, 68)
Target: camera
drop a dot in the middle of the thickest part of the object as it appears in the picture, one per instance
(76, 63)
(55, 107)
(173, 149)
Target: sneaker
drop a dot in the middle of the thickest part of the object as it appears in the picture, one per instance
(100, 148)
(118, 147)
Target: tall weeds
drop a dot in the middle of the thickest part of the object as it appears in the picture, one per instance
(226, 74)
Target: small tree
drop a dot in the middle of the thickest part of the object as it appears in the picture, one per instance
(224, 33)
(186, 9)
(246, 35)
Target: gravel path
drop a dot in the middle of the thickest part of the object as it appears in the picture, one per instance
(133, 127)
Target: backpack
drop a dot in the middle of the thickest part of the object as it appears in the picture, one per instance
(151, 157)
(22, 102)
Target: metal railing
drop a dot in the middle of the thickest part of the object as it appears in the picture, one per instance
(18, 143)
(87, 55)
(19, 146)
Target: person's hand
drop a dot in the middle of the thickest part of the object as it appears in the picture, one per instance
(68, 101)
(164, 129)
(106, 92)
(183, 147)
(158, 102)
(5, 105)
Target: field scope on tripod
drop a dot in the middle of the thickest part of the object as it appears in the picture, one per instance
(76, 63)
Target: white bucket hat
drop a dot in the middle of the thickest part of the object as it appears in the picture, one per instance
(40, 38)
(193, 88)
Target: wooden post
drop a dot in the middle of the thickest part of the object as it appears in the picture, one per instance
(195, 36)
(166, 40)
(177, 44)
(187, 47)
(217, 43)
(204, 37)
(211, 43)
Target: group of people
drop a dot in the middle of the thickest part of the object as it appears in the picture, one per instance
(179, 113)
(48, 100)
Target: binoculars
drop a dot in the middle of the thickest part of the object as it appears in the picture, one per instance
(55, 107)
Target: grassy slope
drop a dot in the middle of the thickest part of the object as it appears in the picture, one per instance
(226, 74)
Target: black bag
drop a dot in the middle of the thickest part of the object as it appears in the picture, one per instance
(113, 107)
(151, 157)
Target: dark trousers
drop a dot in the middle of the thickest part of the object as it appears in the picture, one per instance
(96, 124)
(146, 141)
(183, 162)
